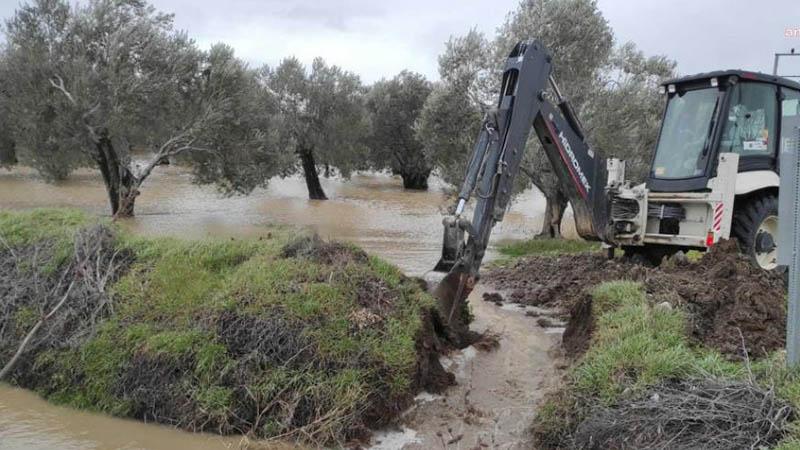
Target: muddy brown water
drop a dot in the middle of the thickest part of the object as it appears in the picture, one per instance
(370, 210)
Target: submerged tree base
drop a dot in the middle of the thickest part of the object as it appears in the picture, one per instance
(415, 181)
(287, 336)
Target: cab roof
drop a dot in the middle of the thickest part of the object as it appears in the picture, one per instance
(743, 74)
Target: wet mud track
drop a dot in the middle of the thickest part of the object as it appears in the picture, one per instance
(498, 390)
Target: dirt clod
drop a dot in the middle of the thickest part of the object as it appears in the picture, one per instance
(493, 297)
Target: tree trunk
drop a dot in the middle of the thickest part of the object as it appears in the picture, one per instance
(553, 213)
(416, 181)
(8, 153)
(315, 191)
(118, 179)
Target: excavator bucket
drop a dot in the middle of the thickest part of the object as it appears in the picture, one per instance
(453, 237)
(451, 292)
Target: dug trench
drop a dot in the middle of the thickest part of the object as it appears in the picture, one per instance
(731, 305)
(669, 357)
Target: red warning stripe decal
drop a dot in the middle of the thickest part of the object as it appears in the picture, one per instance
(719, 210)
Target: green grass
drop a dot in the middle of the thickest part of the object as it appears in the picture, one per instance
(547, 247)
(636, 345)
(167, 304)
(29, 227)
(55, 226)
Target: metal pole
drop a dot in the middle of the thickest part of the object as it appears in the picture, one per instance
(789, 241)
(777, 58)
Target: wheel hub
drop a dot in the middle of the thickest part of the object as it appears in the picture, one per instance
(766, 250)
(765, 243)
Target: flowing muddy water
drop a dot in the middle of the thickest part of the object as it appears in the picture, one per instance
(370, 210)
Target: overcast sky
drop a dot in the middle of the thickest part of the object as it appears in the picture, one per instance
(379, 38)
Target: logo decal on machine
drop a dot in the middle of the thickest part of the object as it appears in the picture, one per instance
(570, 159)
(574, 160)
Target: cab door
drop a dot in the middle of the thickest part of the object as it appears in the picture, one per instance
(790, 120)
(750, 127)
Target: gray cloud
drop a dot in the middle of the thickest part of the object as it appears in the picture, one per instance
(379, 38)
(339, 16)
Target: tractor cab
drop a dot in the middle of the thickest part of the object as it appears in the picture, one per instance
(750, 114)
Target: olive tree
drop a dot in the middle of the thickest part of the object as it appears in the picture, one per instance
(624, 114)
(448, 125)
(323, 118)
(394, 106)
(34, 37)
(612, 90)
(94, 82)
(580, 42)
(450, 118)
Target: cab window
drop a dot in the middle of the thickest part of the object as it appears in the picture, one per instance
(750, 128)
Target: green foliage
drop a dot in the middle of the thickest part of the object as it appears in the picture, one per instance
(24, 319)
(8, 150)
(243, 130)
(215, 399)
(323, 118)
(394, 106)
(448, 126)
(86, 377)
(177, 279)
(608, 297)
(94, 81)
(547, 247)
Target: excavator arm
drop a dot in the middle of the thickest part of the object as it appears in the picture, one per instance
(524, 103)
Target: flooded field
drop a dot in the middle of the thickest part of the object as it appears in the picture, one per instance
(370, 210)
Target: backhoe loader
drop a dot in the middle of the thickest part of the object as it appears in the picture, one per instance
(714, 173)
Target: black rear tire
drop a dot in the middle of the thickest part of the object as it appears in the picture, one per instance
(652, 254)
(755, 227)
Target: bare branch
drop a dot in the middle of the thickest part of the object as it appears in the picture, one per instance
(60, 86)
(10, 364)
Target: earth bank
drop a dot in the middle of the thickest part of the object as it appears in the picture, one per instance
(285, 336)
(722, 294)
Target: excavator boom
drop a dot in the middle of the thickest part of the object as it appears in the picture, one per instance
(524, 103)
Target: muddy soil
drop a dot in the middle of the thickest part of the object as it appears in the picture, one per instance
(499, 386)
(729, 302)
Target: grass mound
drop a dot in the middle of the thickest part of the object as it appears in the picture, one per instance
(643, 383)
(287, 336)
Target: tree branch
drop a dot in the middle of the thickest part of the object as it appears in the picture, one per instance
(10, 364)
(60, 86)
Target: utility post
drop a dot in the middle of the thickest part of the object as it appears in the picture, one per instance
(789, 239)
